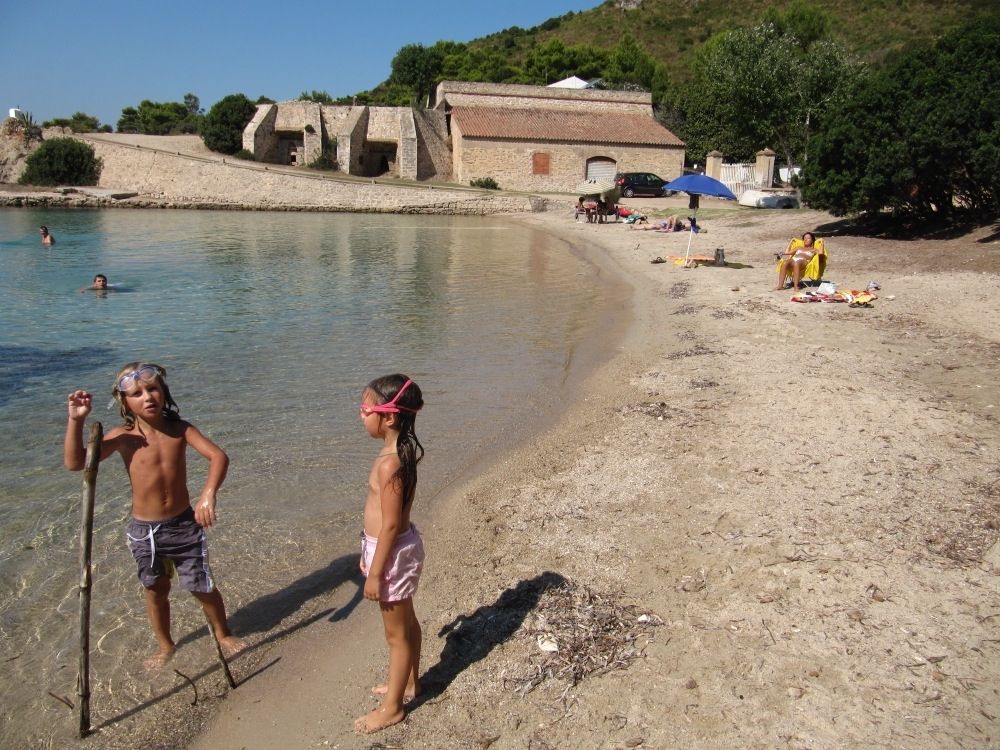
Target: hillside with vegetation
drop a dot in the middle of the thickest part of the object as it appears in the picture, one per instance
(737, 78)
(672, 30)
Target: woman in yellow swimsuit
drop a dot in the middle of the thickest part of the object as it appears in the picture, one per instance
(796, 259)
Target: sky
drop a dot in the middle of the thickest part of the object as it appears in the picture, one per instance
(66, 56)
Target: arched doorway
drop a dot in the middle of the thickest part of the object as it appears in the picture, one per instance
(601, 168)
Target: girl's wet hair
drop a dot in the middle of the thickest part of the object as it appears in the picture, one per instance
(408, 447)
(171, 411)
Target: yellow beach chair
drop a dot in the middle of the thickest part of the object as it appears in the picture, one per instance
(815, 268)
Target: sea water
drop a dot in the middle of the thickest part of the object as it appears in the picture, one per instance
(269, 325)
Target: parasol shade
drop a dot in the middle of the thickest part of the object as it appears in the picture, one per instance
(596, 187)
(699, 184)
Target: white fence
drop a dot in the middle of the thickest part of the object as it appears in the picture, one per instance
(740, 177)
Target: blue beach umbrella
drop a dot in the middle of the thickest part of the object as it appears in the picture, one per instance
(697, 185)
(700, 184)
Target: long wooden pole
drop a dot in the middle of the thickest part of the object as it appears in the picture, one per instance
(86, 536)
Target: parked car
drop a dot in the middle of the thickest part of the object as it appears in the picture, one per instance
(641, 183)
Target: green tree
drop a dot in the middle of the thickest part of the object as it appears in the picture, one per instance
(129, 121)
(80, 122)
(553, 61)
(418, 67)
(920, 137)
(629, 65)
(160, 118)
(193, 105)
(756, 87)
(62, 161)
(222, 129)
(320, 97)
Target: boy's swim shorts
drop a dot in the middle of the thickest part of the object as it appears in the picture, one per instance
(178, 542)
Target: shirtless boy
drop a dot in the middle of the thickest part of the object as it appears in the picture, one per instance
(165, 532)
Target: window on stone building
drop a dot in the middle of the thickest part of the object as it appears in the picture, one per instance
(540, 163)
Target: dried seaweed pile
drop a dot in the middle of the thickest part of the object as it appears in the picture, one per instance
(580, 633)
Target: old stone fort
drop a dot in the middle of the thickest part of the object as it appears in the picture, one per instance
(529, 138)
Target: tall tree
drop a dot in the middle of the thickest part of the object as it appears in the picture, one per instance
(756, 87)
(223, 127)
(417, 66)
(921, 137)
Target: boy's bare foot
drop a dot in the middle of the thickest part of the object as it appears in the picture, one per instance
(376, 720)
(231, 646)
(411, 691)
(156, 662)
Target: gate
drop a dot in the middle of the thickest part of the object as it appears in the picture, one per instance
(740, 177)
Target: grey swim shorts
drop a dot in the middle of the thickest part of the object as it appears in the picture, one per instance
(177, 543)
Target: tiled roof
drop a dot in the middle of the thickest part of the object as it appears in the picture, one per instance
(562, 125)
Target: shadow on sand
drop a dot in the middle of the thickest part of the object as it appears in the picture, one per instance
(265, 613)
(471, 638)
(887, 228)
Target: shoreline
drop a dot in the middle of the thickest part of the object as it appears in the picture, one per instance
(805, 495)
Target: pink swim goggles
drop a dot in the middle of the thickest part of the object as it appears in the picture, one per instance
(390, 407)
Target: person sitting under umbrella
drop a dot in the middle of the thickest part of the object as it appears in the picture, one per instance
(805, 257)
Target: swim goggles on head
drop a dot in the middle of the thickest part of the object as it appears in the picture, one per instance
(129, 380)
(390, 407)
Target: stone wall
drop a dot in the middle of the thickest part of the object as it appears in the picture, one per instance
(383, 123)
(172, 179)
(511, 163)
(408, 152)
(293, 116)
(351, 141)
(433, 145)
(258, 136)
(513, 96)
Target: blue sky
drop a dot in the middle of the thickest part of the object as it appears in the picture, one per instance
(66, 56)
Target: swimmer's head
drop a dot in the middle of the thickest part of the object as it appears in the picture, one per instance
(100, 281)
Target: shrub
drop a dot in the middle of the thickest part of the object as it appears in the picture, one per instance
(487, 183)
(62, 161)
(222, 129)
(244, 155)
(309, 128)
(326, 161)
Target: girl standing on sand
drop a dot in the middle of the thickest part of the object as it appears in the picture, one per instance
(392, 552)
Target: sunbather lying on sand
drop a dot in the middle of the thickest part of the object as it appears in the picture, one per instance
(673, 224)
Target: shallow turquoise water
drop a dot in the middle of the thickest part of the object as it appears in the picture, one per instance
(269, 325)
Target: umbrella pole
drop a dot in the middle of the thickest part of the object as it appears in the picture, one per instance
(686, 254)
(694, 216)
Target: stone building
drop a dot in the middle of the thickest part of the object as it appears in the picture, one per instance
(540, 138)
(532, 138)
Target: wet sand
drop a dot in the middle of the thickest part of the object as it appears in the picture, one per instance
(803, 498)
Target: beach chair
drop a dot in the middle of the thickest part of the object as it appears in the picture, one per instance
(815, 268)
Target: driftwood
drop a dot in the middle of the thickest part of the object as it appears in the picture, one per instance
(222, 657)
(86, 538)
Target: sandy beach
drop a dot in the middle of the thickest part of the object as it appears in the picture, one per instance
(759, 524)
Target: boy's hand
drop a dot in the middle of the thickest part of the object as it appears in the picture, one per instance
(79, 405)
(372, 587)
(204, 510)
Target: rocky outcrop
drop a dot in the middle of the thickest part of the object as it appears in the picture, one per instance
(14, 151)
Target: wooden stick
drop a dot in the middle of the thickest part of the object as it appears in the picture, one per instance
(222, 657)
(86, 538)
